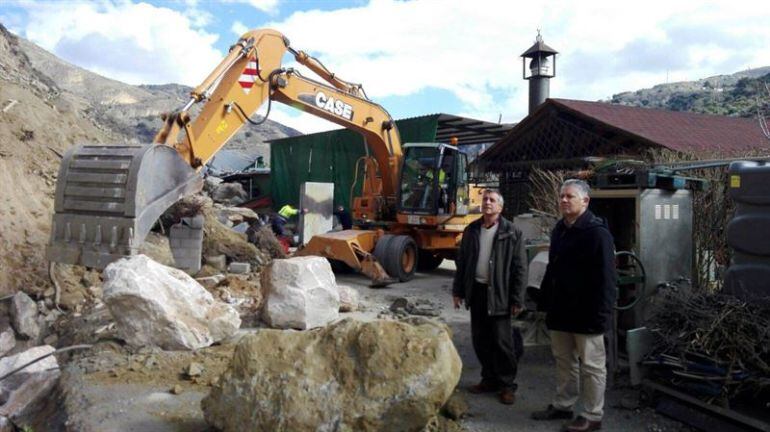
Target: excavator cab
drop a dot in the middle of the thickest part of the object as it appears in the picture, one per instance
(434, 181)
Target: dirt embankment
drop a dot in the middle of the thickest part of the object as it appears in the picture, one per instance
(32, 132)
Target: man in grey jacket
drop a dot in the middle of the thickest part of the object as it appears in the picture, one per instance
(490, 278)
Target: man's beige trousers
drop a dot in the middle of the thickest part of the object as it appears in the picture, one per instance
(581, 372)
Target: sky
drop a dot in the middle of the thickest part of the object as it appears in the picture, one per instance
(414, 58)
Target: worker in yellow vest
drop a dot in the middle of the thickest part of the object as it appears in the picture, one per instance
(279, 221)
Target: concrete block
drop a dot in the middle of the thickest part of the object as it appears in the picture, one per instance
(318, 199)
(239, 267)
(195, 222)
(186, 253)
(191, 243)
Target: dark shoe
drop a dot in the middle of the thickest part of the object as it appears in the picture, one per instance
(507, 396)
(552, 413)
(582, 424)
(483, 387)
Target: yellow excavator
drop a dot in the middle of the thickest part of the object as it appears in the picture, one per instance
(415, 201)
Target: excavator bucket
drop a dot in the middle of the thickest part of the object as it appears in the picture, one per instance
(109, 197)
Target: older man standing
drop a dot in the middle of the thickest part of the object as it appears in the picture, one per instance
(578, 294)
(490, 277)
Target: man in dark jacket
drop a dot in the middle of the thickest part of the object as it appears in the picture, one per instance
(490, 277)
(344, 217)
(578, 292)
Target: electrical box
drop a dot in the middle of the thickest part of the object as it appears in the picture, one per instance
(656, 225)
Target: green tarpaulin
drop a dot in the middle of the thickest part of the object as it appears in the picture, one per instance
(331, 157)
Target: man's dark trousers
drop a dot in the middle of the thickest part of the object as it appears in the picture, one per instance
(492, 341)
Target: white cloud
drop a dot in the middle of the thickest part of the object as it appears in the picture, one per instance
(135, 43)
(239, 28)
(472, 48)
(303, 122)
(267, 6)
(401, 48)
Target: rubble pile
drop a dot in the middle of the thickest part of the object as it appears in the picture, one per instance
(350, 375)
(403, 307)
(219, 239)
(25, 336)
(24, 392)
(266, 241)
(230, 194)
(243, 292)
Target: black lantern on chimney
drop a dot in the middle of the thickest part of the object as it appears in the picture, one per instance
(538, 66)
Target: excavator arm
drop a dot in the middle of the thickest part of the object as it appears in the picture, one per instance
(109, 197)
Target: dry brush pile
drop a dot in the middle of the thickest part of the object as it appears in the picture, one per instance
(711, 344)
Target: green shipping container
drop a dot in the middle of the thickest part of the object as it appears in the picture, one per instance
(331, 157)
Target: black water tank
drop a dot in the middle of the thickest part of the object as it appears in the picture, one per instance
(748, 233)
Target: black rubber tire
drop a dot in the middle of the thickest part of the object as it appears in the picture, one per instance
(402, 258)
(381, 249)
(427, 261)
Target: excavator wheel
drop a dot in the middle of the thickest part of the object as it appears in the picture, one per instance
(428, 261)
(381, 250)
(400, 257)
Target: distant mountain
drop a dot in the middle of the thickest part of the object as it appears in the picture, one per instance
(132, 113)
(731, 95)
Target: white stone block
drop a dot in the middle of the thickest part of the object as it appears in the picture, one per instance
(302, 293)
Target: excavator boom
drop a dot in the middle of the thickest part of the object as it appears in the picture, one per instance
(109, 197)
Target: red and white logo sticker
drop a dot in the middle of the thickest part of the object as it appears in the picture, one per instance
(249, 76)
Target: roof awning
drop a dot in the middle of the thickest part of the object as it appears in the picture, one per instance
(469, 131)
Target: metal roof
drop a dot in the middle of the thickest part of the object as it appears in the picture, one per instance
(469, 131)
(539, 46)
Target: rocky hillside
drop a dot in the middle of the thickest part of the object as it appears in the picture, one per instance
(133, 112)
(733, 95)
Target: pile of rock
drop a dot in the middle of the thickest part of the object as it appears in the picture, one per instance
(25, 335)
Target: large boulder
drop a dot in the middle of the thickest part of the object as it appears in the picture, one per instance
(24, 316)
(349, 376)
(7, 341)
(162, 306)
(10, 363)
(23, 393)
(302, 293)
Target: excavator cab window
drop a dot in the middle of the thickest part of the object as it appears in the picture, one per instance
(419, 180)
(429, 179)
(461, 192)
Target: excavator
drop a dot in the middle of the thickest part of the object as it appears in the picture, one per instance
(415, 200)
